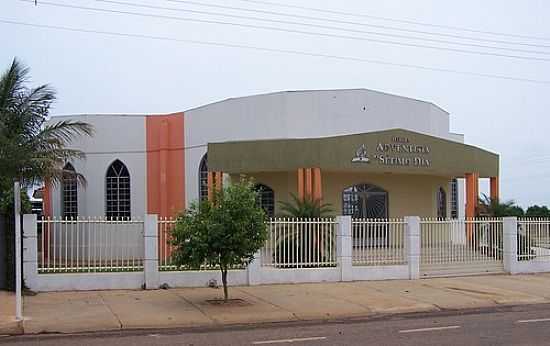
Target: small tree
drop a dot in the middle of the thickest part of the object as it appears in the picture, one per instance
(225, 232)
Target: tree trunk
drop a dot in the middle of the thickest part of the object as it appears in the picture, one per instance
(224, 282)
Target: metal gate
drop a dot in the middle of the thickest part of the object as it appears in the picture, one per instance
(461, 247)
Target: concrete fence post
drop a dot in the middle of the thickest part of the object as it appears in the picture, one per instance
(30, 250)
(151, 259)
(253, 269)
(510, 244)
(344, 247)
(412, 245)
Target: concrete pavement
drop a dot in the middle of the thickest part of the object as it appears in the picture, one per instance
(509, 325)
(71, 312)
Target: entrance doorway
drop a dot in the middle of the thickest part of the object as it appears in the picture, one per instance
(365, 201)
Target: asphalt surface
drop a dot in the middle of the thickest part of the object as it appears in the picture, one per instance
(519, 325)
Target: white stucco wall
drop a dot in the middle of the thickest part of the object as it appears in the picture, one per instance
(304, 114)
(120, 137)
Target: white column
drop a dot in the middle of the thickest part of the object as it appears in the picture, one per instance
(150, 259)
(510, 245)
(30, 251)
(461, 198)
(253, 269)
(412, 244)
(344, 247)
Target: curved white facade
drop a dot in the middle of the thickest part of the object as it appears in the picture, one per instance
(291, 114)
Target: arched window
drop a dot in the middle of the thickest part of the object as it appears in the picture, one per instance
(441, 203)
(117, 188)
(69, 192)
(266, 199)
(365, 201)
(203, 178)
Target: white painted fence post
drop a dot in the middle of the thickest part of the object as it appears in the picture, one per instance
(30, 250)
(510, 244)
(151, 259)
(412, 244)
(253, 269)
(344, 247)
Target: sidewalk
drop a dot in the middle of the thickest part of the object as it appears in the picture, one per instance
(70, 312)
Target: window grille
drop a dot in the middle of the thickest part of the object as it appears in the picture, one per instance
(441, 203)
(203, 179)
(266, 199)
(69, 192)
(117, 183)
(454, 199)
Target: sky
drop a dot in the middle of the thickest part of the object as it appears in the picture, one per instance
(99, 73)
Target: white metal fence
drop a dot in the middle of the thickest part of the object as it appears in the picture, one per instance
(75, 245)
(165, 227)
(378, 242)
(300, 243)
(534, 239)
(453, 247)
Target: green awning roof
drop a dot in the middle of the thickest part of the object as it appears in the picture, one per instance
(394, 151)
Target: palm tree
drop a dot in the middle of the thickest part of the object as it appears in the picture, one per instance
(298, 237)
(32, 151)
(305, 208)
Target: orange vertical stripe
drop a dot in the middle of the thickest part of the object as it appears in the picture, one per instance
(219, 181)
(47, 199)
(472, 194)
(308, 183)
(317, 184)
(301, 183)
(165, 164)
(210, 182)
(494, 188)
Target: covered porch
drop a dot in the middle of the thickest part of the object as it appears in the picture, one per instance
(384, 174)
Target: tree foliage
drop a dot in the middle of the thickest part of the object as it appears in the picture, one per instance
(30, 150)
(537, 211)
(496, 208)
(225, 232)
(305, 208)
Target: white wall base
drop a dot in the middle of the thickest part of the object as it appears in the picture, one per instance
(87, 281)
(268, 275)
(363, 273)
(533, 266)
(201, 278)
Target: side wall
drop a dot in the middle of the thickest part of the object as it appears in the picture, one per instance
(116, 137)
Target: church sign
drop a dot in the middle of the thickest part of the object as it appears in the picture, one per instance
(397, 152)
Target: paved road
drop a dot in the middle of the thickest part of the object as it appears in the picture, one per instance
(522, 325)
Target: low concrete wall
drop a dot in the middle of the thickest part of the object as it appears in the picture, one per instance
(268, 275)
(532, 266)
(361, 273)
(87, 281)
(202, 278)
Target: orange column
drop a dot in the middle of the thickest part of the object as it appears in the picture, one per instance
(210, 182)
(494, 189)
(317, 184)
(219, 181)
(301, 191)
(308, 183)
(163, 161)
(47, 212)
(472, 194)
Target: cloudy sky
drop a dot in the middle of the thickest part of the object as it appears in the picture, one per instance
(129, 71)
